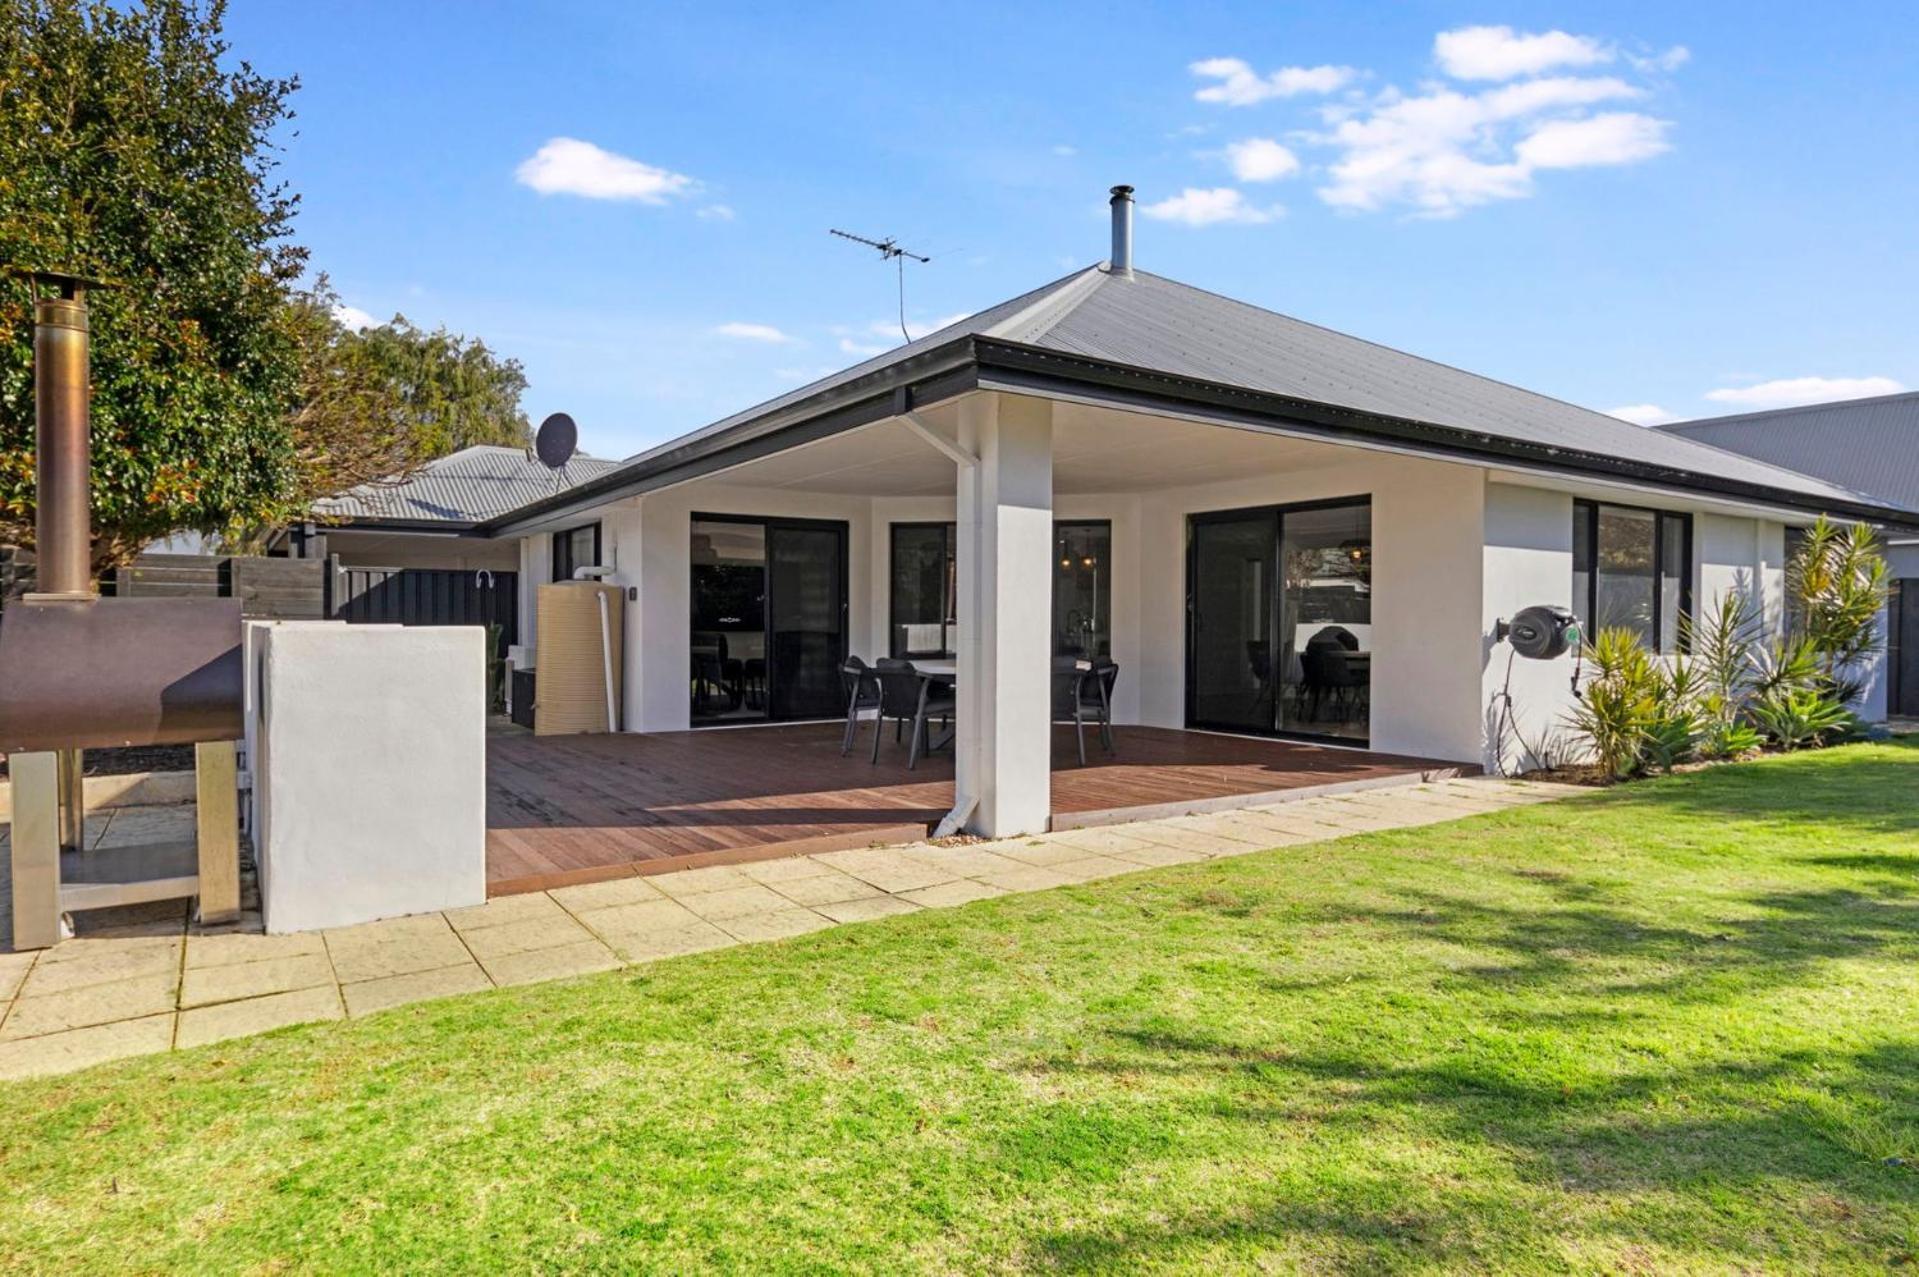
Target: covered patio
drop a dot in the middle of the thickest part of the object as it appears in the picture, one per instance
(574, 809)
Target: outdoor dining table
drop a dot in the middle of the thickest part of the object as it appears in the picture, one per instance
(939, 672)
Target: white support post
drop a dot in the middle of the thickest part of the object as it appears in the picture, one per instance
(1005, 534)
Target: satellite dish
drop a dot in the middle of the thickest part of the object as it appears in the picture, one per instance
(556, 441)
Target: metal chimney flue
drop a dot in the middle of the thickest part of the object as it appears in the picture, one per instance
(62, 534)
(1122, 259)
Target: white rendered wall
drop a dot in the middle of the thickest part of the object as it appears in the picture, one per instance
(536, 569)
(1529, 543)
(1426, 592)
(371, 771)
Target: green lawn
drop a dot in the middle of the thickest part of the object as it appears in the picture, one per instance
(1670, 1027)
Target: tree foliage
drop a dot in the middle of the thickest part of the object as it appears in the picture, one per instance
(130, 154)
(226, 398)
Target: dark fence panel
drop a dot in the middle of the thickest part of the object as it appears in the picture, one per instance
(429, 596)
(1903, 649)
(268, 589)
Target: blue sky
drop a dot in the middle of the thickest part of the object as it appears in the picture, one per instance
(1654, 205)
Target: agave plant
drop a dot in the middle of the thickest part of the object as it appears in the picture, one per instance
(1802, 716)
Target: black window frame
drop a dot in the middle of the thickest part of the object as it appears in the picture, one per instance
(563, 540)
(894, 648)
(1586, 515)
(952, 551)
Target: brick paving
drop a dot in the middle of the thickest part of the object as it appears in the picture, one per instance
(144, 979)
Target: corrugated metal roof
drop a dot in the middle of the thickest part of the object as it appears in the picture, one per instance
(1162, 326)
(462, 487)
(1166, 326)
(1868, 444)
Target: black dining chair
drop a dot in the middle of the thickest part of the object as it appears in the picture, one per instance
(906, 695)
(1330, 676)
(862, 692)
(1082, 687)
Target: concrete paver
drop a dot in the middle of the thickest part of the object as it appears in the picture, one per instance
(605, 895)
(202, 1025)
(369, 996)
(236, 980)
(142, 979)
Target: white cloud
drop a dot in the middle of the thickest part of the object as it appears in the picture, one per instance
(1239, 85)
(353, 317)
(1211, 207)
(1617, 137)
(1443, 151)
(1500, 53)
(716, 213)
(1671, 60)
(1260, 159)
(755, 332)
(1790, 392)
(883, 335)
(568, 166)
(1065, 152)
(1642, 414)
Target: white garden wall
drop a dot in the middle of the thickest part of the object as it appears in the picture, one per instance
(370, 768)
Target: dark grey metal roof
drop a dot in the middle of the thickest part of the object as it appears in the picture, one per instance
(463, 487)
(1871, 445)
(1147, 325)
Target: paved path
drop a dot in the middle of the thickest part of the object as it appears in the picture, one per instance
(147, 981)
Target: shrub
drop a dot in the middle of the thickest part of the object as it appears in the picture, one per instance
(1636, 713)
(1802, 716)
(1836, 585)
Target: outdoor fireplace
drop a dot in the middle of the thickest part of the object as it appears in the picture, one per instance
(78, 672)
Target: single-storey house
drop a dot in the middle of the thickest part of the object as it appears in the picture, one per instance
(1274, 529)
(1871, 445)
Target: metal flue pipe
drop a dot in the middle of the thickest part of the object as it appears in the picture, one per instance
(63, 548)
(1121, 263)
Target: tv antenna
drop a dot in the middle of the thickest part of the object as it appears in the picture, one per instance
(889, 251)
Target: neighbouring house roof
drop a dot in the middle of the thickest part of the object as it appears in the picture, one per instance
(1871, 445)
(1145, 341)
(461, 489)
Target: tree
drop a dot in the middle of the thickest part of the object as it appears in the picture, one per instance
(128, 153)
(453, 391)
(375, 404)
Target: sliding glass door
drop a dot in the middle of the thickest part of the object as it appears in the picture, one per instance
(805, 619)
(1230, 682)
(1280, 620)
(768, 618)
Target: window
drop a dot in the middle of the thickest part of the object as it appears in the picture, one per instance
(574, 549)
(924, 594)
(1083, 589)
(923, 610)
(1632, 569)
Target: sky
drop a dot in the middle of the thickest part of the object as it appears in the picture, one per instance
(1661, 210)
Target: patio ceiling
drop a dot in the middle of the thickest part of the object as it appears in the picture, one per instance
(1095, 450)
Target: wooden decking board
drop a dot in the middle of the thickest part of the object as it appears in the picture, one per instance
(568, 808)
